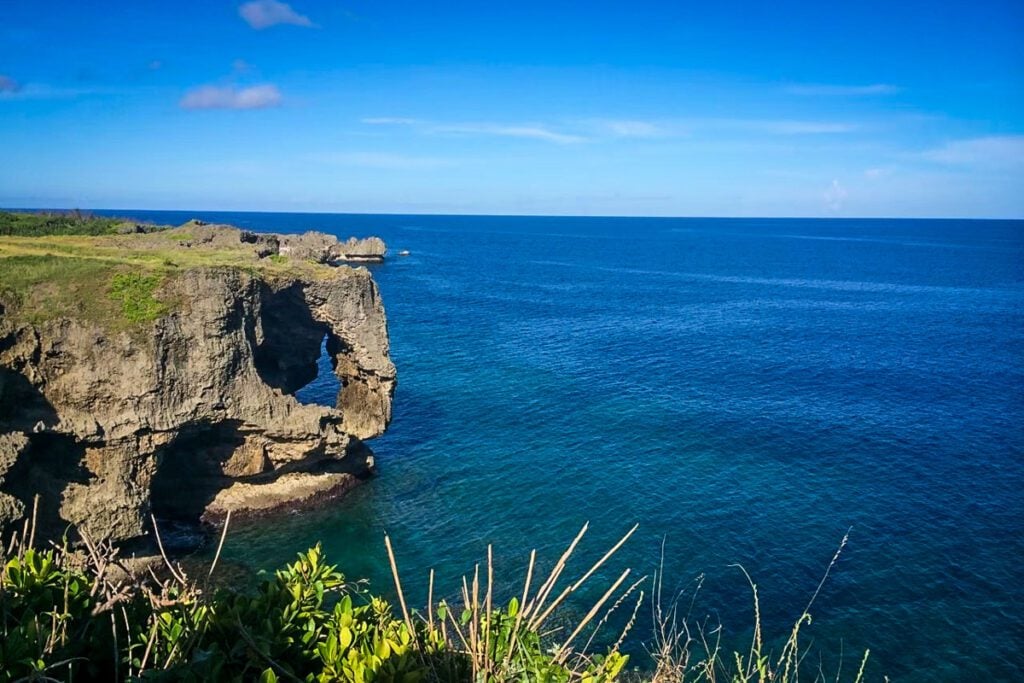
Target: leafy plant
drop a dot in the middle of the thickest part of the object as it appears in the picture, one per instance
(84, 616)
(135, 292)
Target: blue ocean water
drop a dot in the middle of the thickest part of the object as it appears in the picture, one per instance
(747, 390)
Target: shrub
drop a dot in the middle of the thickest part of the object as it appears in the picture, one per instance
(95, 621)
(56, 223)
(135, 292)
(64, 618)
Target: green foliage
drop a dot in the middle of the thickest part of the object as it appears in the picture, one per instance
(69, 265)
(20, 274)
(305, 623)
(62, 618)
(135, 292)
(37, 288)
(46, 617)
(56, 223)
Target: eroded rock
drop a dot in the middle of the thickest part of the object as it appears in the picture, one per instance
(195, 414)
(321, 248)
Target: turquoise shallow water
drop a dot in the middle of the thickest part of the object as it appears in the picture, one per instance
(747, 390)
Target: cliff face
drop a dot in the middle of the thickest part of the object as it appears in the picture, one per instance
(193, 414)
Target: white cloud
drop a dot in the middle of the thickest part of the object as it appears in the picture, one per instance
(601, 129)
(876, 173)
(1000, 151)
(532, 132)
(261, 14)
(231, 97)
(834, 196)
(528, 131)
(8, 84)
(382, 160)
(843, 90)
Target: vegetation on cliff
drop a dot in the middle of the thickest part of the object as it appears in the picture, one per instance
(57, 223)
(67, 618)
(112, 271)
(157, 370)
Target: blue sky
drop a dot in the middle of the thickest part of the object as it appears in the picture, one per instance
(597, 108)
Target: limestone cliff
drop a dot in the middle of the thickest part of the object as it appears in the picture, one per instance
(190, 412)
(325, 249)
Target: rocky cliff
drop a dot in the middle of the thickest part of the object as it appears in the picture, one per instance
(186, 409)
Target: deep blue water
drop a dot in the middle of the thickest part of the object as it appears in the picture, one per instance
(747, 390)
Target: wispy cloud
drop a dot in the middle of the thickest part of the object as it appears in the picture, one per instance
(996, 150)
(825, 90)
(391, 121)
(527, 131)
(41, 91)
(834, 196)
(786, 127)
(231, 97)
(628, 128)
(382, 160)
(770, 126)
(598, 130)
(532, 132)
(261, 14)
(8, 84)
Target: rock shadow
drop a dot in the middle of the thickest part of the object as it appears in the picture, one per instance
(45, 468)
(205, 458)
(38, 461)
(23, 407)
(190, 470)
(288, 354)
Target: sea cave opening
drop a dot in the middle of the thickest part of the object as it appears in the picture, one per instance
(323, 389)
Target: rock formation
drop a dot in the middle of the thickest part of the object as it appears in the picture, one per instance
(193, 414)
(320, 248)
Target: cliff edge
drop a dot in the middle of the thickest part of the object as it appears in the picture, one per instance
(156, 371)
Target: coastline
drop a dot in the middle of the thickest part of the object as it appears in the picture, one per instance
(173, 389)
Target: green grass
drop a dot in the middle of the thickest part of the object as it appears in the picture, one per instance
(135, 292)
(117, 296)
(40, 287)
(57, 223)
(116, 279)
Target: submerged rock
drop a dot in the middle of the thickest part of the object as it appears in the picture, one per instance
(193, 413)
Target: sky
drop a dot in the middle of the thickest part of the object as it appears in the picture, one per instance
(877, 109)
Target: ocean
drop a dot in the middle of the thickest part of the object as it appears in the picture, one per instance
(749, 391)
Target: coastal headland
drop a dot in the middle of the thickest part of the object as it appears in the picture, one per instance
(150, 370)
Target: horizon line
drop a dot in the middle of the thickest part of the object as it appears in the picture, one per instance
(534, 215)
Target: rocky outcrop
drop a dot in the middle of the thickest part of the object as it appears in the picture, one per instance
(320, 248)
(197, 234)
(366, 249)
(194, 414)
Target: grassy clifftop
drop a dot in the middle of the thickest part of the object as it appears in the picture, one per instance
(114, 271)
(57, 223)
